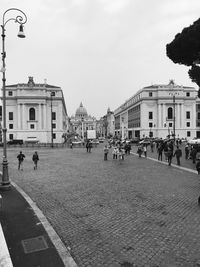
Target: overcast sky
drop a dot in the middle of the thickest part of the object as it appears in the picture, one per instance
(100, 52)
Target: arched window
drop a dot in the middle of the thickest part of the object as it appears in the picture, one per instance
(170, 113)
(31, 114)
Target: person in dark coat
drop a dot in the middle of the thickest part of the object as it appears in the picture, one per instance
(178, 154)
(193, 154)
(35, 159)
(20, 158)
(198, 166)
(187, 152)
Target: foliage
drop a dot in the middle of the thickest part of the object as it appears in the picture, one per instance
(185, 49)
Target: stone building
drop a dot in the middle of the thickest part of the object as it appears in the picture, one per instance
(159, 110)
(35, 112)
(82, 122)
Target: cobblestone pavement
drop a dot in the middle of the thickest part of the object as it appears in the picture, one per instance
(120, 214)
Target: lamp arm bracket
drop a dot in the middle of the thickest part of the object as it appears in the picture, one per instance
(21, 19)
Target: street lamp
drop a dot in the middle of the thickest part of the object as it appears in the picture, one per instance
(52, 94)
(21, 19)
(173, 94)
(82, 120)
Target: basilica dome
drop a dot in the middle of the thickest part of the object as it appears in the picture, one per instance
(81, 111)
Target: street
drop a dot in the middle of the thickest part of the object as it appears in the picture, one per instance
(135, 212)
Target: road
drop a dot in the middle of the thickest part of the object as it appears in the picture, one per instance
(137, 212)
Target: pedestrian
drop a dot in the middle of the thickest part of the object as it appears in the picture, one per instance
(170, 155)
(106, 150)
(152, 146)
(35, 159)
(145, 150)
(193, 154)
(178, 154)
(160, 151)
(71, 145)
(87, 145)
(139, 151)
(115, 152)
(20, 158)
(166, 151)
(198, 166)
(187, 151)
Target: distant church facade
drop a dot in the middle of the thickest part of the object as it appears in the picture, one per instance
(81, 122)
(35, 112)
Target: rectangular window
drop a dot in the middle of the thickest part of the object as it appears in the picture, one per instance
(54, 116)
(198, 106)
(150, 94)
(32, 126)
(10, 116)
(150, 124)
(53, 93)
(198, 115)
(54, 136)
(53, 125)
(187, 93)
(10, 93)
(11, 136)
(188, 124)
(10, 126)
(188, 134)
(150, 115)
(187, 114)
(170, 124)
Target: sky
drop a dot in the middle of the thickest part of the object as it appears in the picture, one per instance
(100, 52)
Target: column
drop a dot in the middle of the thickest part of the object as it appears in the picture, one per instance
(18, 117)
(159, 116)
(24, 117)
(45, 117)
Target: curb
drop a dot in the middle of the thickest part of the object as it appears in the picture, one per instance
(5, 259)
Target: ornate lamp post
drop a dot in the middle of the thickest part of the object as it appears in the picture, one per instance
(21, 19)
(52, 94)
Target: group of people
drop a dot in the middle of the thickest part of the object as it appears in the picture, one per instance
(119, 150)
(21, 158)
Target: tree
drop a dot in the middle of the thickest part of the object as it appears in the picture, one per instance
(185, 49)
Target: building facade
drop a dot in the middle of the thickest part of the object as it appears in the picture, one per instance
(158, 111)
(82, 122)
(35, 112)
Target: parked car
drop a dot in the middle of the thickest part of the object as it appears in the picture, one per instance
(194, 141)
(95, 141)
(101, 139)
(15, 142)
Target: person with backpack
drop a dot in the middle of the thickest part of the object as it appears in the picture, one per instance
(20, 158)
(35, 159)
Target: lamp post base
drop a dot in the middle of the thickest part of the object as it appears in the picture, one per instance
(5, 186)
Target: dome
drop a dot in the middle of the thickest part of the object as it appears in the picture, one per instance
(81, 111)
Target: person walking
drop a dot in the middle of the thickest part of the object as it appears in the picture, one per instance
(170, 155)
(178, 154)
(139, 151)
(35, 159)
(145, 150)
(115, 152)
(160, 151)
(20, 158)
(198, 166)
(106, 150)
(193, 154)
(187, 152)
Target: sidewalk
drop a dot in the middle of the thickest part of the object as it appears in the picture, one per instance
(26, 238)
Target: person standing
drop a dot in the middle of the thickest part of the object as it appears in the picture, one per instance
(35, 159)
(160, 151)
(178, 154)
(145, 150)
(106, 150)
(20, 158)
(187, 151)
